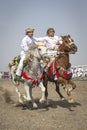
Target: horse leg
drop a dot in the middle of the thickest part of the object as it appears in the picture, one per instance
(70, 99)
(12, 70)
(28, 92)
(46, 89)
(62, 80)
(45, 83)
(21, 100)
(73, 85)
(46, 93)
(58, 90)
(29, 96)
(42, 99)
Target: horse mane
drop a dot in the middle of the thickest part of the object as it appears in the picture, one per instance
(33, 47)
(30, 53)
(63, 59)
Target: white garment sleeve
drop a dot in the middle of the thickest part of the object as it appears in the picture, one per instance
(24, 45)
(60, 40)
(40, 39)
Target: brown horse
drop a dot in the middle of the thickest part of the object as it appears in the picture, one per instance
(60, 65)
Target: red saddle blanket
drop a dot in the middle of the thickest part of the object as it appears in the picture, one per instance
(66, 74)
(34, 81)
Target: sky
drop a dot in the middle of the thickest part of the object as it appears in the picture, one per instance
(65, 16)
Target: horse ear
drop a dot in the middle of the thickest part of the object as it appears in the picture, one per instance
(33, 47)
(62, 37)
(69, 36)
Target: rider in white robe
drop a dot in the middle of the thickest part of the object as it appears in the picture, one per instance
(26, 43)
(52, 43)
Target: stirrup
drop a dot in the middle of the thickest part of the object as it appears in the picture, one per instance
(45, 68)
(55, 77)
(18, 78)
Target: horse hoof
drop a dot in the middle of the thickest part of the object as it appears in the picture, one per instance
(24, 96)
(70, 89)
(47, 103)
(35, 106)
(27, 99)
(63, 99)
(17, 83)
(21, 101)
(41, 101)
(70, 100)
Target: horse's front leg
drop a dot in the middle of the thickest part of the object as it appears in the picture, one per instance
(62, 80)
(29, 96)
(73, 85)
(42, 99)
(58, 90)
(28, 91)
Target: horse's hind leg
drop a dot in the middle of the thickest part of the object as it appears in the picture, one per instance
(45, 83)
(58, 90)
(46, 94)
(19, 95)
(46, 90)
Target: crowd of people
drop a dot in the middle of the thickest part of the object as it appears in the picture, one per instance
(79, 71)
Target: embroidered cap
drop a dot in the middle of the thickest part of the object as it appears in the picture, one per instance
(50, 29)
(29, 30)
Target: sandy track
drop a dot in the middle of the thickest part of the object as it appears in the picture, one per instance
(60, 115)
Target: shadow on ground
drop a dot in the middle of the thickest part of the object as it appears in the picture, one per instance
(52, 104)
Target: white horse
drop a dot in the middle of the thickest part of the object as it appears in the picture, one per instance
(32, 75)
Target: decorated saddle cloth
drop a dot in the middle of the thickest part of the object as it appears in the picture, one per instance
(15, 61)
(65, 73)
(27, 74)
(34, 76)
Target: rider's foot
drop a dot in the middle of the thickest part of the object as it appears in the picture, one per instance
(45, 68)
(55, 77)
(17, 83)
(17, 78)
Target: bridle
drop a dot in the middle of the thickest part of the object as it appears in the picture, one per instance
(41, 56)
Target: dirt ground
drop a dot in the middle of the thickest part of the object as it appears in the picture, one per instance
(59, 115)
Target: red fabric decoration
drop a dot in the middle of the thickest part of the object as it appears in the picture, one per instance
(67, 75)
(25, 76)
(36, 81)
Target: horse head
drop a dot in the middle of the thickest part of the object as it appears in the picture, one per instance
(37, 50)
(68, 45)
(41, 52)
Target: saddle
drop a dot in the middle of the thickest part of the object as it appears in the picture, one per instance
(59, 72)
(15, 61)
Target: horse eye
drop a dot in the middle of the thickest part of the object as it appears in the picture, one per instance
(66, 41)
(39, 49)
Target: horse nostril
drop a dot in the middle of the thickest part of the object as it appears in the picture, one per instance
(45, 56)
(75, 48)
